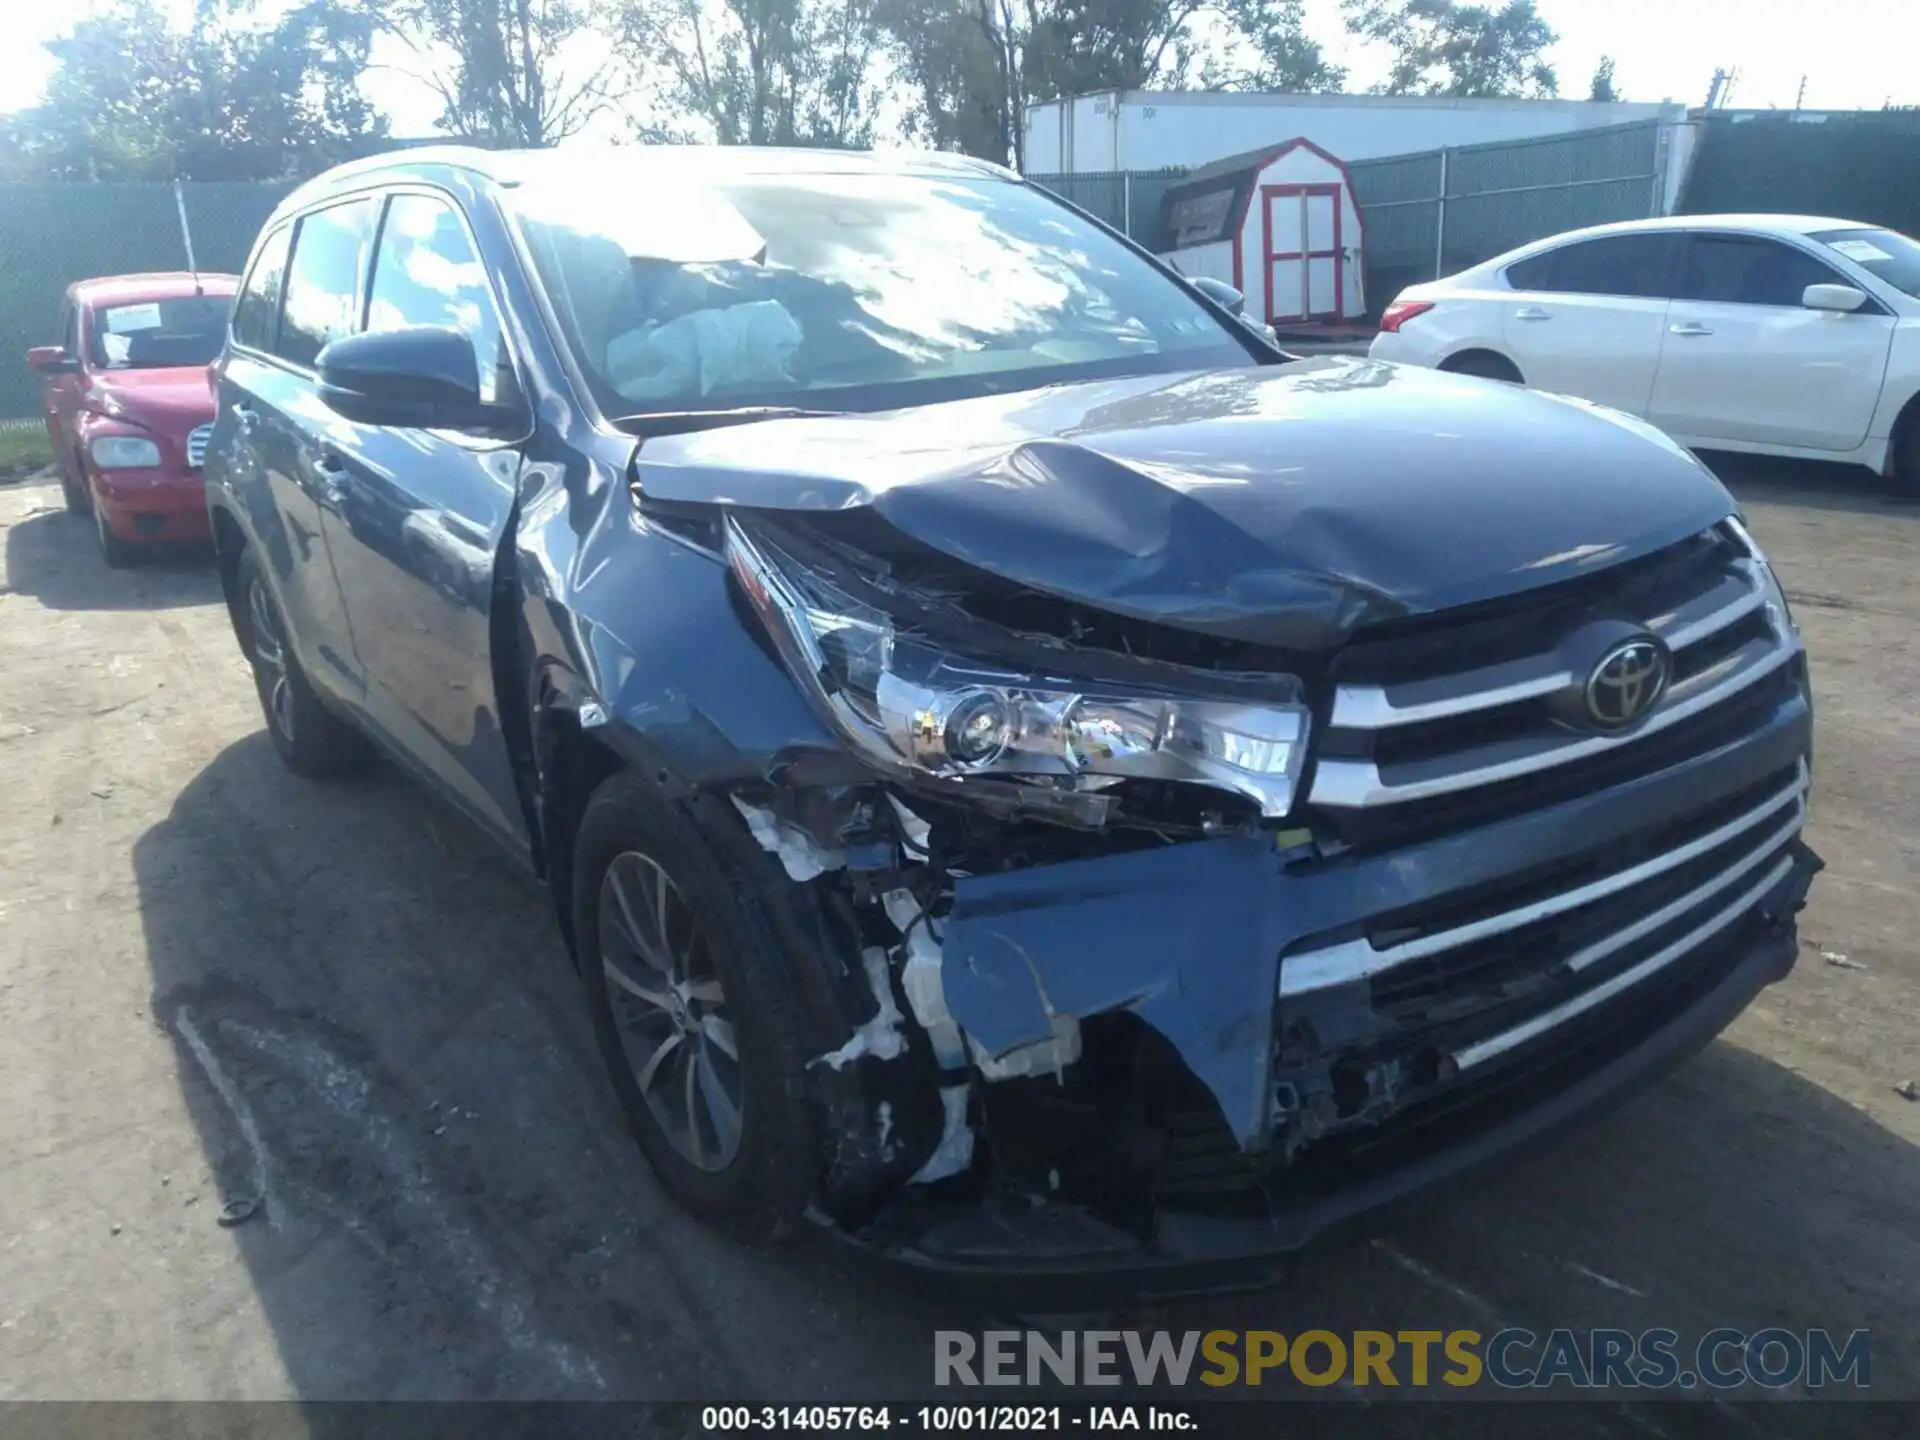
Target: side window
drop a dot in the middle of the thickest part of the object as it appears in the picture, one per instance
(1634, 265)
(426, 272)
(70, 328)
(1749, 270)
(259, 298)
(1533, 273)
(323, 280)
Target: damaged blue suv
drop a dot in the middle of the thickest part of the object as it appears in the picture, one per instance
(1033, 779)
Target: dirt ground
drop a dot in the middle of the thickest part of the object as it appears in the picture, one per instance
(219, 982)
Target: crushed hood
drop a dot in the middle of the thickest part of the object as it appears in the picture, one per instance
(1284, 506)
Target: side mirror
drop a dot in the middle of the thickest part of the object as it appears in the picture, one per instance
(420, 377)
(51, 360)
(1832, 297)
(1221, 293)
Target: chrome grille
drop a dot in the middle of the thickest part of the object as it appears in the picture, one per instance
(1440, 735)
(197, 446)
(1776, 819)
(1467, 988)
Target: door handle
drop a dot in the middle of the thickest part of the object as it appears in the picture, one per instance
(1531, 312)
(330, 477)
(247, 417)
(1692, 327)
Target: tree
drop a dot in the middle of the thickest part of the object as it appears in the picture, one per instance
(977, 64)
(1603, 87)
(133, 98)
(496, 65)
(1076, 46)
(1445, 48)
(955, 61)
(758, 72)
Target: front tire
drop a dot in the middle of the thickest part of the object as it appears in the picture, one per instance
(1905, 470)
(75, 493)
(696, 1018)
(312, 741)
(117, 553)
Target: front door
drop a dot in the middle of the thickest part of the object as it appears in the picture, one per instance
(1302, 233)
(419, 519)
(1744, 360)
(61, 393)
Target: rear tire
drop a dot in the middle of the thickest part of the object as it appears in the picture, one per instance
(1485, 364)
(311, 739)
(679, 965)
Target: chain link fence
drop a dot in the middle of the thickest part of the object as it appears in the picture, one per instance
(53, 233)
(1857, 165)
(1439, 211)
(1128, 200)
(1436, 211)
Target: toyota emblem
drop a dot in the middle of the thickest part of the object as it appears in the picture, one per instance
(1628, 682)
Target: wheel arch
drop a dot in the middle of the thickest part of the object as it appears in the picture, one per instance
(1460, 361)
(1903, 440)
(229, 544)
(578, 748)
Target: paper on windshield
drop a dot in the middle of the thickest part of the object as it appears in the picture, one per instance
(1860, 250)
(123, 319)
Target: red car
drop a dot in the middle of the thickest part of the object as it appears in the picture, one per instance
(130, 405)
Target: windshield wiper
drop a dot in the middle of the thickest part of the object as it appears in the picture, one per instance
(683, 422)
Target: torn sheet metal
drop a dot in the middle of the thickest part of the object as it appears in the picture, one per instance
(882, 1037)
(1048, 1058)
(954, 1153)
(1270, 505)
(1183, 936)
(801, 856)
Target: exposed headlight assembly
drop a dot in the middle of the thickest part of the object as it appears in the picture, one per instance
(908, 704)
(123, 452)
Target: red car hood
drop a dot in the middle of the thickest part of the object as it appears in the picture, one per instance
(170, 401)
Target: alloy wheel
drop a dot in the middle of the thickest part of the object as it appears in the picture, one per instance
(670, 1011)
(270, 658)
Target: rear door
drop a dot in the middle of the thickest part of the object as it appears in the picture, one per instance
(1744, 360)
(292, 305)
(1586, 319)
(419, 518)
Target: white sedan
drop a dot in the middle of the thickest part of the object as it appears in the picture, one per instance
(1776, 334)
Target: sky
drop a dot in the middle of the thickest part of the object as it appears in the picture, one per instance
(1852, 54)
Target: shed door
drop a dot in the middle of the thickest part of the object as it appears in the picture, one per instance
(1302, 231)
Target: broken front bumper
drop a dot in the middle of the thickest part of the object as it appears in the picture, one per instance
(1365, 1025)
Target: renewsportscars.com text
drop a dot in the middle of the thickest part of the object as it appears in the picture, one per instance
(1512, 1359)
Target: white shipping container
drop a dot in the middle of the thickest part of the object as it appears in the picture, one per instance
(1157, 129)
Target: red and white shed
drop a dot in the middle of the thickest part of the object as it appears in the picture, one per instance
(1279, 225)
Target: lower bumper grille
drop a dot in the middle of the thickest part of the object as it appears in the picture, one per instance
(1373, 1028)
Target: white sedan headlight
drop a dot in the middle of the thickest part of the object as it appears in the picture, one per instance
(124, 452)
(907, 704)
